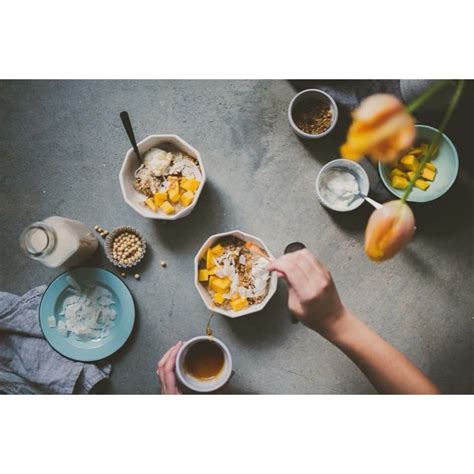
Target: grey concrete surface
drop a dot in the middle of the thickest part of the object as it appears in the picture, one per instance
(61, 147)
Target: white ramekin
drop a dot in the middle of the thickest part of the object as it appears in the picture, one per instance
(312, 94)
(354, 168)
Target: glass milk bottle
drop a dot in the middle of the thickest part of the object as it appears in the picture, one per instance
(58, 241)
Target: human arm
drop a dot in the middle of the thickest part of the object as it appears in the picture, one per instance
(313, 299)
(165, 371)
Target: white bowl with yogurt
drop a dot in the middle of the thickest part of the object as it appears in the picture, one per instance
(340, 184)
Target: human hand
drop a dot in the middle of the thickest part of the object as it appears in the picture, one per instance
(312, 294)
(165, 371)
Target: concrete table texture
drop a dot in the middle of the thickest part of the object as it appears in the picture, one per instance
(61, 148)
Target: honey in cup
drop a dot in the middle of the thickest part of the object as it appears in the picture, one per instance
(204, 360)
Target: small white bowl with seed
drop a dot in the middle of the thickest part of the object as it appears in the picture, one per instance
(125, 247)
(312, 114)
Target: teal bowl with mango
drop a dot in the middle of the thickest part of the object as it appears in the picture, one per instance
(446, 162)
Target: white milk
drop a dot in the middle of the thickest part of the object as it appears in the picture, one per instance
(58, 241)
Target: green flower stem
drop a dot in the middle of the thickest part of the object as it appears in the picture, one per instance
(434, 145)
(422, 98)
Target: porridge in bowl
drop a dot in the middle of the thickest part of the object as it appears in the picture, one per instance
(234, 276)
(168, 180)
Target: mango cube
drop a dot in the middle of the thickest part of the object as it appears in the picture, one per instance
(151, 204)
(397, 172)
(409, 162)
(218, 298)
(430, 166)
(428, 174)
(167, 208)
(235, 296)
(217, 250)
(173, 192)
(399, 182)
(219, 285)
(211, 271)
(239, 303)
(191, 184)
(187, 198)
(203, 275)
(422, 184)
(209, 259)
(410, 175)
(159, 198)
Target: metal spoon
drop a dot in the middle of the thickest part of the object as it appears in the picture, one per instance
(131, 136)
(358, 195)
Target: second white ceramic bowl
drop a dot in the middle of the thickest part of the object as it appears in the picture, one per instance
(130, 164)
(212, 240)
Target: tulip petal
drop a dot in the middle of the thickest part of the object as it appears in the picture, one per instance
(389, 229)
(382, 129)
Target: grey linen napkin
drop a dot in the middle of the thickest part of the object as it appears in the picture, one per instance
(28, 364)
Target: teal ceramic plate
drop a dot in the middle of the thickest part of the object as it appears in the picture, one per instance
(447, 164)
(88, 350)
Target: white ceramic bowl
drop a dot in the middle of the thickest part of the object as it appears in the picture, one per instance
(202, 289)
(310, 94)
(203, 385)
(354, 168)
(130, 164)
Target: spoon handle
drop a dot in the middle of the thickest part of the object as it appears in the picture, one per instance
(376, 204)
(131, 136)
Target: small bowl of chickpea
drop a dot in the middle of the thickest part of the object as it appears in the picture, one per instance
(125, 247)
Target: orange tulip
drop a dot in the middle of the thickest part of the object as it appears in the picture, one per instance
(389, 229)
(382, 128)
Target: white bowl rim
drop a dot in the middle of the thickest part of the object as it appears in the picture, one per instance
(333, 163)
(197, 387)
(301, 132)
(448, 187)
(230, 313)
(142, 210)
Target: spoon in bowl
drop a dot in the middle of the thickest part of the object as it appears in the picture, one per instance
(131, 136)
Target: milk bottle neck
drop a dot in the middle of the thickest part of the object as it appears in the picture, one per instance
(38, 240)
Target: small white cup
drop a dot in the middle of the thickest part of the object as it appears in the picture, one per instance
(310, 94)
(203, 386)
(352, 167)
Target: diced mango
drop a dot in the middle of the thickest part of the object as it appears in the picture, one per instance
(212, 271)
(219, 285)
(167, 208)
(430, 166)
(218, 298)
(422, 184)
(217, 250)
(397, 172)
(410, 175)
(203, 275)
(239, 303)
(409, 162)
(428, 174)
(187, 198)
(159, 198)
(235, 296)
(191, 184)
(151, 204)
(173, 192)
(399, 182)
(209, 259)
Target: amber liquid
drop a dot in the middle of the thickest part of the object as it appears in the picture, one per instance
(204, 360)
